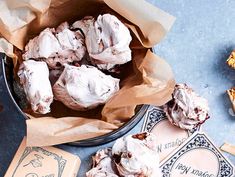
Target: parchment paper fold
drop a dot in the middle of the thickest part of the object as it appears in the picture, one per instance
(147, 80)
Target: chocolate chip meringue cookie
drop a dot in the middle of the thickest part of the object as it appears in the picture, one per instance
(56, 46)
(136, 156)
(102, 164)
(107, 40)
(84, 87)
(34, 76)
(186, 110)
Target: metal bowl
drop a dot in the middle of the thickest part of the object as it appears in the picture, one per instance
(7, 74)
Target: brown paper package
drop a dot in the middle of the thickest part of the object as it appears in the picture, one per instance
(46, 161)
(148, 79)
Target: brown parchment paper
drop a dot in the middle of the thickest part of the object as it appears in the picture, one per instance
(147, 80)
(6, 47)
(228, 148)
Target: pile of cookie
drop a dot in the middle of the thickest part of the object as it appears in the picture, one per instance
(74, 63)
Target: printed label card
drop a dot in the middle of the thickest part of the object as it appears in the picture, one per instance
(43, 162)
(197, 157)
(169, 137)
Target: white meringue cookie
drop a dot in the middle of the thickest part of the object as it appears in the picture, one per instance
(56, 47)
(102, 164)
(107, 40)
(84, 87)
(84, 24)
(42, 46)
(70, 41)
(34, 76)
(136, 155)
(186, 110)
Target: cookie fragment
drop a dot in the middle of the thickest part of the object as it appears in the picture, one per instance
(187, 109)
(231, 60)
(102, 164)
(231, 94)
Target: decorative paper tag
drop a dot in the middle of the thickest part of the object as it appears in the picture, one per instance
(34, 157)
(169, 136)
(42, 162)
(197, 157)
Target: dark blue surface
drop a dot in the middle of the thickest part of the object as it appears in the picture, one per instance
(12, 127)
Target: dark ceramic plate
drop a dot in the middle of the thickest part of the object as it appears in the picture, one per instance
(6, 73)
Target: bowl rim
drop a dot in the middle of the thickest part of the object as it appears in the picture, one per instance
(95, 141)
(115, 134)
(3, 57)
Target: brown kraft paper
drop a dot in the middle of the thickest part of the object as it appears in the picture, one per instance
(147, 80)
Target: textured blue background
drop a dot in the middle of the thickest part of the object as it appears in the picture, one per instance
(196, 47)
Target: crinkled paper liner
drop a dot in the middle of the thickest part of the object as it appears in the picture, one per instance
(147, 80)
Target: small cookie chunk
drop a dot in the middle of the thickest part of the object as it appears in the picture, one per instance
(231, 60)
(187, 109)
(231, 94)
(102, 164)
